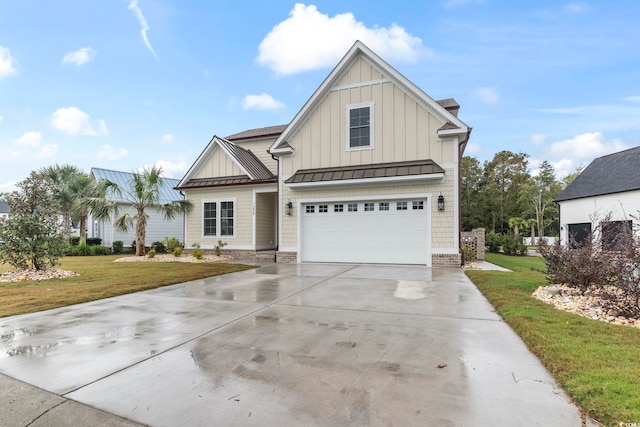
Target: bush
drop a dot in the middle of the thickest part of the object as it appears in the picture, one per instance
(612, 273)
(469, 253)
(218, 247)
(117, 247)
(171, 243)
(494, 241)
(177, 252)
(151, 253)
(197, 253)
(513, 245)
(99, 250)
(90, 241)
(159, 247)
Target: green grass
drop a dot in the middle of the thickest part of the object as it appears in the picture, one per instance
(597, 363)
(99, 277)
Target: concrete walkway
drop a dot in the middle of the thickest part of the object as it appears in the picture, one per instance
(304, 344)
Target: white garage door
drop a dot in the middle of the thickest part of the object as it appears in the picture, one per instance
(380, 231)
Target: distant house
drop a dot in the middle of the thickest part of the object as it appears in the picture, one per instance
(4, 209)
(609, 186)
(157, 226)
(367, 171)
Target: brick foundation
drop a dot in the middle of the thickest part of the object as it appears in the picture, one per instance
(287, 257)
(446, 260)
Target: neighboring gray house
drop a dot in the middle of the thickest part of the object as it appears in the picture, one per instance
(610, 185)
(4, 209)
(157, 227)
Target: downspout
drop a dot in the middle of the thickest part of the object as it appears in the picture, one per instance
(461, 147)
(184, 221)
(277, 159)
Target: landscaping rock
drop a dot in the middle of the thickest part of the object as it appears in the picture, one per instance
(30, 275)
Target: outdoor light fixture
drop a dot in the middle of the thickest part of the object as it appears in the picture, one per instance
(289, 208)
(440, 202)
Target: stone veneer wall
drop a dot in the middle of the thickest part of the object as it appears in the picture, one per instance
(446, 260)
(475, 238)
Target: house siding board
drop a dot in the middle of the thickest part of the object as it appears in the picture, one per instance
(218, 165)
(621, 206)
(265, 220)
(243, 217)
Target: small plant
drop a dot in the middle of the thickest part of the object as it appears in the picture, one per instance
(197, 252)
(159, 247)
(469, 253)
(99, 250)
(218, 247)
(117, 247)
(151, 253)
(177, 252)
(494, 241)
(171, 243)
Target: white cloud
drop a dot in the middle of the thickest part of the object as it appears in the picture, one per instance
(576, 8)
(308, 40)
(7, 63)
(80, 56)
(167, 138)
(263, 101)
(564, 167)
(76, 122)
(30, 139)
(586, 146)
(48, 150)
(108, 152)
(632, 98)
(538, 138)
(144, 27)
(8, 187)
(1, 118)
(487, 95)
(169, 169)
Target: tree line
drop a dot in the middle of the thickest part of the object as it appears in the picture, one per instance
(503, 196)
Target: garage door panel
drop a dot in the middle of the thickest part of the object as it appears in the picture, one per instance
(387, 236)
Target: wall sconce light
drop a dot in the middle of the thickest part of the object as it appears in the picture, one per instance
(288, 208)
(440, 202)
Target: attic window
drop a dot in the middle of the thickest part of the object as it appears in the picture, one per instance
(360, 130)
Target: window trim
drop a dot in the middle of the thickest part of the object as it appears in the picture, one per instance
(218, 203)
(348, 109)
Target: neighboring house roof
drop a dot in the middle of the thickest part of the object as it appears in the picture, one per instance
(446, 111)
(610, 174)
(122, 179)
(4, 207)
(381, 170)
(256, 172)
(269, 131)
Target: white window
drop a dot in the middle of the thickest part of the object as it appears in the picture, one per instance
(401, 206)
(360, 126)
(352, 207)
(323, 208)
(310, 209)
(383, 206)
(338, 208)
(368, 207)
(419, 204)
(218, 218)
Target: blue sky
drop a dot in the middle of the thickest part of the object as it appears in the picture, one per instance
(121, 84)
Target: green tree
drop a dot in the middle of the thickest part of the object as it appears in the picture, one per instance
(539, 193)
(569, 178)
(471, 206)
(30, 236)
(63, 178)
(503, 178)
(4, 196)
(143, 192)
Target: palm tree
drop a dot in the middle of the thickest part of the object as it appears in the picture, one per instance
(64, 178)
(143, 192)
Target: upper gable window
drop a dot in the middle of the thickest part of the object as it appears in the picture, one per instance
(360, 130)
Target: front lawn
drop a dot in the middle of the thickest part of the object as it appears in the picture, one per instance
(99, 277)
(597, 363)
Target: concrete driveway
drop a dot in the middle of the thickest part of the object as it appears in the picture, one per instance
(307, 344)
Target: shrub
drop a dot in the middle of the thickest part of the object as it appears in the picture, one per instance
(197, 253)
(513, 245)
(177, 252)
(469, 253)
(94, 241)
(171, 243)
(159, 247)
(117, 247)
(218, 247)
(151, 253)
(73, 241)
(494, 241)
(99, 250)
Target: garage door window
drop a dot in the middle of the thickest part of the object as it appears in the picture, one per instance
(352, 207)
(338, 208)
(383, 206)
(310, 209)
(418, 205)
(323, 208)
(369, 207)
(401, 206)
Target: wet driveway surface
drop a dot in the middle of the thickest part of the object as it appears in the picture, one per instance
(307, 344)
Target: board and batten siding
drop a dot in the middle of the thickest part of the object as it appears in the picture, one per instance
(259, 148)
(218, 165)
(621, 206)
(402, 130)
